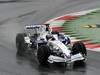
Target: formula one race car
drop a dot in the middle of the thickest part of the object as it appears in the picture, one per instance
(49, 46)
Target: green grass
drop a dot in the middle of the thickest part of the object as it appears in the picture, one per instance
(74, 27)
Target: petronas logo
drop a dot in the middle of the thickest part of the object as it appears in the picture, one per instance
(91, 26)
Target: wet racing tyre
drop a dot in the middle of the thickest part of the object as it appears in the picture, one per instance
(79, 47)
(20, 43)
(42, 54)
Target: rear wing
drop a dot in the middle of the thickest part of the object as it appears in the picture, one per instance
(34, 26)
(34, 29)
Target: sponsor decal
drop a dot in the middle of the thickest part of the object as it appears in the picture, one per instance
(67, 56)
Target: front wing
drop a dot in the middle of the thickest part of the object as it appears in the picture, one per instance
(76, 57)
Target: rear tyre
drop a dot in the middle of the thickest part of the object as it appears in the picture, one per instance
(42, 54)
(79, 47)
(20, 43)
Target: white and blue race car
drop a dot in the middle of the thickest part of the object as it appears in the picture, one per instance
(50, 46)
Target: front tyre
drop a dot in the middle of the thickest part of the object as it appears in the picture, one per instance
(42, 54)
(79, 47)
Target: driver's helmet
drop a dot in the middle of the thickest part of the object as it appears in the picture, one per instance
(62, 36)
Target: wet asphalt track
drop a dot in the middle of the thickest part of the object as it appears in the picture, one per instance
(13, 17)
